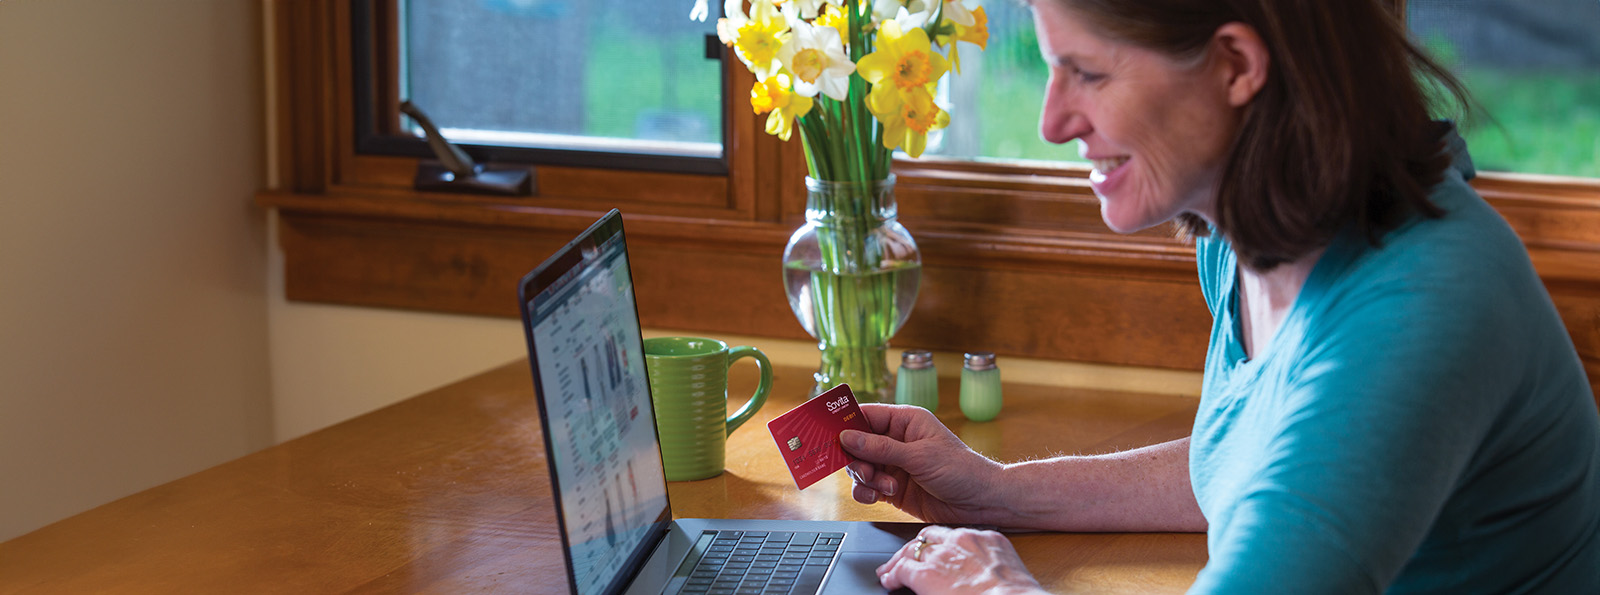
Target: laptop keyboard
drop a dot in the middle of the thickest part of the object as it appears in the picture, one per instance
(763, 563)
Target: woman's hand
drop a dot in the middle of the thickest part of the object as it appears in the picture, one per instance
(916, 464)
(945, 560)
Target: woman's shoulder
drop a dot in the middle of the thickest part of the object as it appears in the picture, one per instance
(1466, 246)
(1461, 250)
(1463, 268)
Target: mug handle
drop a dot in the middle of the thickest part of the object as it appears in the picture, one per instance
(756, 401)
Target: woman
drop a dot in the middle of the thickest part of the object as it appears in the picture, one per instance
(1390, 403)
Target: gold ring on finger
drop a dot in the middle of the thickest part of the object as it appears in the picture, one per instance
(916, 550)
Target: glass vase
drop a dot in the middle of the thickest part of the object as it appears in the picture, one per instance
(852, 274)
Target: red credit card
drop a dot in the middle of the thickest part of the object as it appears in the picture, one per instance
(808, 435)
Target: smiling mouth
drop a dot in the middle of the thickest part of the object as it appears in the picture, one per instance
(1104, 167)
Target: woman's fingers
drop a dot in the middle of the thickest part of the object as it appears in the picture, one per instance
(861, 471)
(893, 573)
(946, 560)
(864, 494)
(910, 557)
(869, 476)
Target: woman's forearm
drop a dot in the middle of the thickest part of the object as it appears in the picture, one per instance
(1145, 489)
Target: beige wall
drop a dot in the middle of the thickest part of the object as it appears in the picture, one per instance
(132, 313)
(331, 363)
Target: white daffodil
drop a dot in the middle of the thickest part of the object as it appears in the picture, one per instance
(956, 11)
(883, 10)
(806, 9)
(756, 37)
(728, 26)
(918, 13)
(815, 55)
(909, 19)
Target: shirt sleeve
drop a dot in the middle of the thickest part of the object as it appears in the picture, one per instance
(1375, 426)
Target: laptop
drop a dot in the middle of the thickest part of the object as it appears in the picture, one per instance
(617, 531)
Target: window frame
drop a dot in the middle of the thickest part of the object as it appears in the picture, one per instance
(1013, 244)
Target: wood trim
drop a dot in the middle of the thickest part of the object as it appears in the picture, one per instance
(386, 83)
(1016, 259)
(302, 66)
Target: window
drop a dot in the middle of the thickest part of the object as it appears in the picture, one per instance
(629, 74)
(623, 77)
(995, 101)
(547, 81)
(1534, 66)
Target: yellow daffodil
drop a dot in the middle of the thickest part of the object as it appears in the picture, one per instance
(976, 33)
(756, 37)
(815, 55)
(775, 96)
(907, 119)
(902, 71)
(800, 49)
(904, 62)
(834, 16)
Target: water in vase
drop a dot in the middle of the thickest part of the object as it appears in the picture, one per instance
(866, 309)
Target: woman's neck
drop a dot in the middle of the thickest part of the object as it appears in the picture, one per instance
(1265, 299)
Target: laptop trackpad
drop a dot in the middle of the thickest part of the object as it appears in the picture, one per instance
(857, 572)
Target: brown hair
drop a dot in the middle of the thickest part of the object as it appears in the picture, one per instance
(1339, 132)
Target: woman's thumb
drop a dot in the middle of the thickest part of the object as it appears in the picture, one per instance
(873, 448)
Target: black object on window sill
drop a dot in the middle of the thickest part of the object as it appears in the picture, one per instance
(455, 171)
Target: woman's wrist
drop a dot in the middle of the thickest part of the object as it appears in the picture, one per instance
(994, 494)
(1012, 497)
(1044, 495)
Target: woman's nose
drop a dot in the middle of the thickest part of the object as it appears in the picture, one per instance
(1061, 121)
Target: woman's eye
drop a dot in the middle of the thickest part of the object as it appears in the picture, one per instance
(1087, 77)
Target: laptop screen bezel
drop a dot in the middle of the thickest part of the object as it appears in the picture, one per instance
(551, 272)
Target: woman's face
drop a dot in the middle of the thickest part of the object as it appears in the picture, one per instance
(1157, 130)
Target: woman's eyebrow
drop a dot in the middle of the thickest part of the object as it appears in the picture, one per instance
(1073, 61)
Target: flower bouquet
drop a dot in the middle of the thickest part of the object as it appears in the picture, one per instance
(858, 79)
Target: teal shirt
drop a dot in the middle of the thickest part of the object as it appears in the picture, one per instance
(1420, 422)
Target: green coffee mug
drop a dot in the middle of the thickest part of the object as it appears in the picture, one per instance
(689, 385)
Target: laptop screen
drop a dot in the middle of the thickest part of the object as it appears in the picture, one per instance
(588, 363)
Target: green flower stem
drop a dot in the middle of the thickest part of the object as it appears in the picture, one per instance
(852, 296)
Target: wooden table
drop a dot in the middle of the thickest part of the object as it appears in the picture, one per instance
(448, 492)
